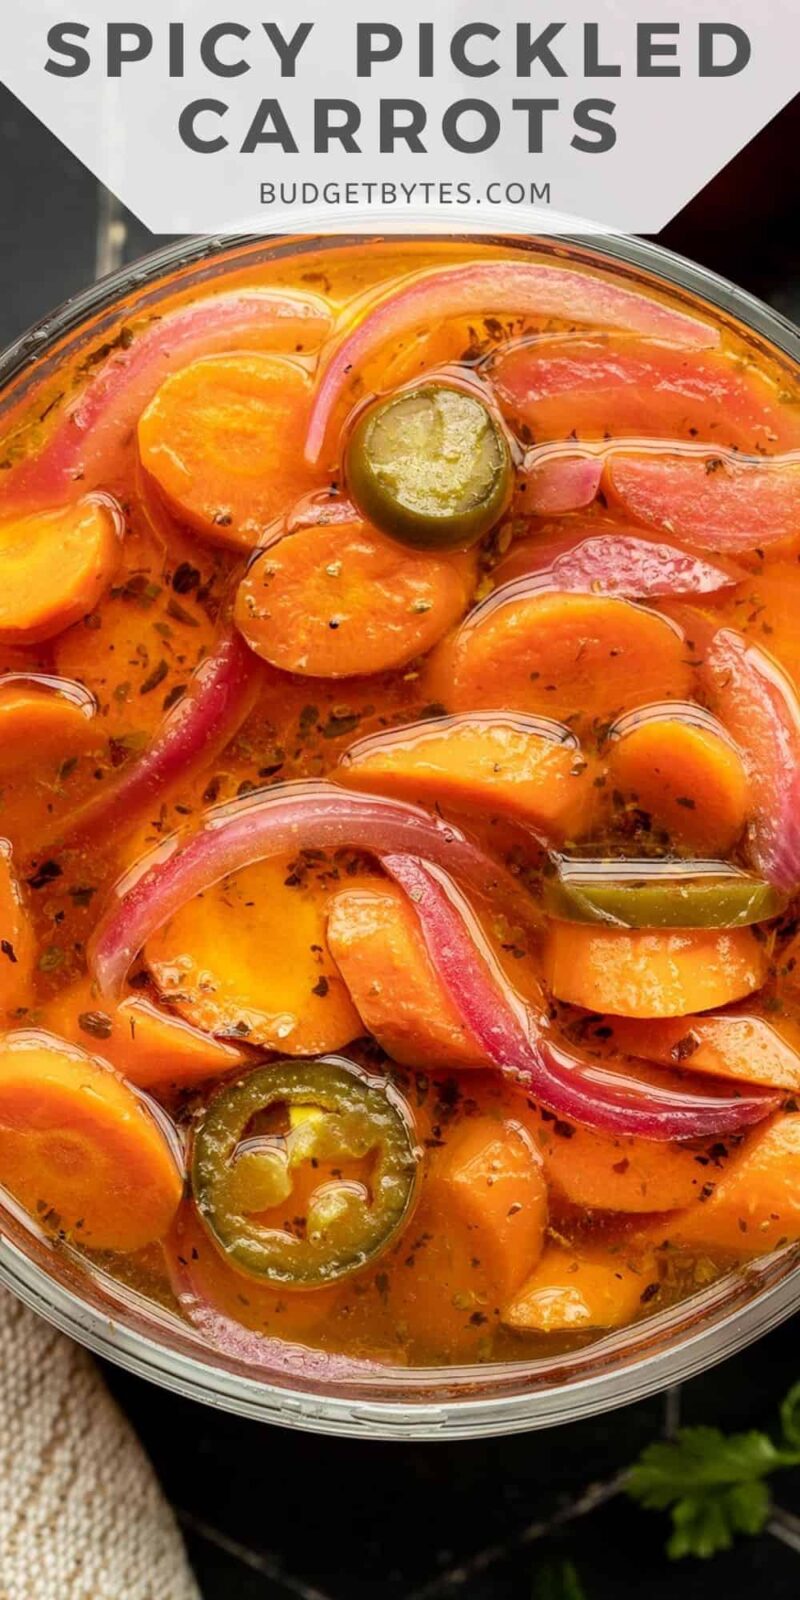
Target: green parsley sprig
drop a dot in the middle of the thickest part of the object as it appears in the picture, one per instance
(558, 1580)
(712, 1483)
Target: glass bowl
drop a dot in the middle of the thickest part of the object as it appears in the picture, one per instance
(391, 1402)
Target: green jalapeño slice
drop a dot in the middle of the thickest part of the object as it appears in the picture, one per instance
(303, 1171)
(430, 466)
(659, 894)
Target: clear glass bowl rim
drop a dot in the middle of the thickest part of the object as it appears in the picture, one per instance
(722, 1320)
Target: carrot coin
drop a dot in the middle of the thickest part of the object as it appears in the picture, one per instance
(217, 438)
(248, 960)
(499, 764)
(753, 1205)
(647, 972)
(151, 1047)
(81, 1150)
(577, 657)
(374, 939)
(572, 1290)
(738, 1043)
(56, 565)
(621, 1172)
(342, 600)
(489, 1177)
(686, 775)
(42, 720)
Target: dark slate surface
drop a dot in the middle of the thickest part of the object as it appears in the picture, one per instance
(269, 1514)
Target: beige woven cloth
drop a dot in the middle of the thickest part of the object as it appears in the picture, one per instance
(81, 1513)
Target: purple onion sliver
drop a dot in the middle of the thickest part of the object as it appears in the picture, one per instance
(576, 1090)
(271, 822)
(122, 386)
(527, 288)
(219, 697)
(758, 704)
(635, 568)
(556, 483)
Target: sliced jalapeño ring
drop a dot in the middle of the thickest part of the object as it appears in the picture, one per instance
(303, 1171)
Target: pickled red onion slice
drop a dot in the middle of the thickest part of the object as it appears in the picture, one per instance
(758, 704)
(620, 562)
(532, 288)
(94, 424)
(579, 1090)
(712, 499)
(555, 483)
(590, 385)
(220, 695)
(270, 822)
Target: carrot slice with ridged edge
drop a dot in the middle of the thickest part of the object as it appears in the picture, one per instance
(754, 1205)
(17, 944)
(740, 1044)
(249, 959)
(343, 600)
(497, 764)
(151, 1047)
(214, 440)
(620, 1172)
(712, 501)
(56, 566)
(489, 1176)
(572, 1290)
(685, 772)
(646, 972)
(86, 1155)
(577, 657)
